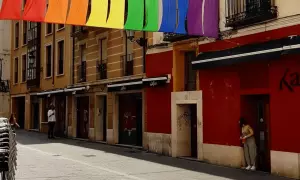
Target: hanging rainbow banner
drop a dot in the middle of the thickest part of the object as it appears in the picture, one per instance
(192, 17)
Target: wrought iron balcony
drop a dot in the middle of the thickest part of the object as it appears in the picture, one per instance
(101, 69)
(246, 12)
(79, 31)
(173, 37)
(33, 76)
(127, 64)
(81, 72)
(4, 86)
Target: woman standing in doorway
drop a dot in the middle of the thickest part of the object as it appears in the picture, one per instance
(249, 144)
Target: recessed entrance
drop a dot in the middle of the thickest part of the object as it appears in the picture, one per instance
(100, 123)
(187, 129)
(35, 113)
(187, 133)
(130, 119)
(18, 108)
(83, 117)
(256, 110)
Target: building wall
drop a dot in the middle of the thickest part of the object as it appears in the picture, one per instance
(60, 81)
(20, 87)
(5, 33)
(159, 114)
(115, 49)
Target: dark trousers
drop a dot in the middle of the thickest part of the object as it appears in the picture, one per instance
(51, 129)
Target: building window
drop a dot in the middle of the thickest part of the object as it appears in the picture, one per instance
(60, 26)
(102, 66)
(48, 61)
(31, 64)
(49, 28)
(24, 63)
(60, 57)
(190, 73)
(16, 68)
(83, 52)
(17, 26)
(25, 32)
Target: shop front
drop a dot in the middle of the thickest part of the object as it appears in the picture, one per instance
(127, 112)
(258, 82)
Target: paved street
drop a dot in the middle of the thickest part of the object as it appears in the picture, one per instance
(65, 159)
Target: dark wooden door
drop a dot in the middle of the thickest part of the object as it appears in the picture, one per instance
(194, 144)
(21, 112)
(262, 134)
(36, 114)
(82, 126)
(60, 108)
(130, 119)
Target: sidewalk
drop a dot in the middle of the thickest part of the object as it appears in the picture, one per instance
(137, 163)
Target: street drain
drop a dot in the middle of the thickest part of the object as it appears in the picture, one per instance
(56, 155)
(89, 155)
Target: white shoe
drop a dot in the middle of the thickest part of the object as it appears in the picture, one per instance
(248, 167)
(253, 168)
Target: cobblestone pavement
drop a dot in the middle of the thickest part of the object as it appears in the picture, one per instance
(65, 159)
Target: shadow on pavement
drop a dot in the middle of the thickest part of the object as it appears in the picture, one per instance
(30, 138)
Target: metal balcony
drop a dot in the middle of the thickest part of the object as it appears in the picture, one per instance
(127, 64)
(81, 72)
(101, 69)
(241, 13)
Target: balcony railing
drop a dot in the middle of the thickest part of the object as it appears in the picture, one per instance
(127, 64)
(4, 86)
(101, 69)
(173, 37)
(246, 12)
(81, 72)
(79, 31)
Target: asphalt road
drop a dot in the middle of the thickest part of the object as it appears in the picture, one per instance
(65, 159)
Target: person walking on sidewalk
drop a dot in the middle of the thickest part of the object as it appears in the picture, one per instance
(51, 121)
(249, 144)
(13, 122)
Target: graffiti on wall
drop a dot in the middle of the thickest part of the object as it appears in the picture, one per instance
(184, 119)
(289, 80)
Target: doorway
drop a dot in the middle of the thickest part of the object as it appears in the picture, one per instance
(100, 122)
(187, 130)
(35, 113)
(19, 111)
(83, 117)
(130, 119)
(193, 119)
(60, 125)
(256, 110)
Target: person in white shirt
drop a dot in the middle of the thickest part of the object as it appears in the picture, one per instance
(51, 122)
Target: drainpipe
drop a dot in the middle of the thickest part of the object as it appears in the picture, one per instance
(73, 59)
(53, 54)
(144, 51)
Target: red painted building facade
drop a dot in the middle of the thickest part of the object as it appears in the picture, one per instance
(265, 92)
